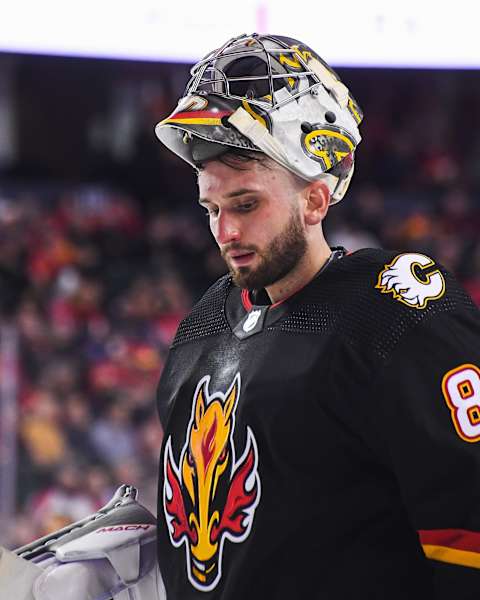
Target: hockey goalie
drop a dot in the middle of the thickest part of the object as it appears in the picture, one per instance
(110, 555)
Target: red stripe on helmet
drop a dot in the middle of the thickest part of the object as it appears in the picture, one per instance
(201, 114)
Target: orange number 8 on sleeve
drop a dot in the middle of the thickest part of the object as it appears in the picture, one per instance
(461, 389)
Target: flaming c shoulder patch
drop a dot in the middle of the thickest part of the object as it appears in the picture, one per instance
(412, 279)
(209, 496)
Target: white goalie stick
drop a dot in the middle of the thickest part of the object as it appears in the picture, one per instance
(109, 555)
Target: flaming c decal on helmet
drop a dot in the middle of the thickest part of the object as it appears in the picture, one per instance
(210, 497)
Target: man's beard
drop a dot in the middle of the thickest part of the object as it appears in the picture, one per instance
(280, 257)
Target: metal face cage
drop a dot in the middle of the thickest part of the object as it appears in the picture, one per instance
(273, 62)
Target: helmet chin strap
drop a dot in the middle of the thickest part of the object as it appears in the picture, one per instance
(264, 141)
(341, 185)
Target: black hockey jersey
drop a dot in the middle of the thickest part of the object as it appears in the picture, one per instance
(325, 447)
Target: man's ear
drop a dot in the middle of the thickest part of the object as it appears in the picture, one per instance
(317, 199)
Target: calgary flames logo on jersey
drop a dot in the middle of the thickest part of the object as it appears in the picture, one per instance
(412, 280)
(209, 496)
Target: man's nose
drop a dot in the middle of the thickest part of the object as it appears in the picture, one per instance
(227, 229)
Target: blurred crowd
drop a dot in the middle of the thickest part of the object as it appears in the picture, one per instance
(96, 278)
(97, 291)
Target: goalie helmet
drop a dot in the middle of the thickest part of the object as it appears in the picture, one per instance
(268, 94)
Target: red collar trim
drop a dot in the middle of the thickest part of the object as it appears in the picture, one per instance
(247, 303)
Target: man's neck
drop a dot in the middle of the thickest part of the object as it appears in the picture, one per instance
(308, 267)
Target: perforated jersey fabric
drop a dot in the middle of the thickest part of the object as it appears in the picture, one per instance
(320, 454)
(355, 310)
(207, 317)
(344, 300)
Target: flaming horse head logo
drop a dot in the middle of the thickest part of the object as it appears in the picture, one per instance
(210, 496)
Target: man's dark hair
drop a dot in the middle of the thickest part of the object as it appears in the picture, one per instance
(237, 158)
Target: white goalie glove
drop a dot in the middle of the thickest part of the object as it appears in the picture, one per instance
(110, 555)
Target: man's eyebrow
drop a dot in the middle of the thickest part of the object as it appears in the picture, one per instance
(240, 192)
(234, 194)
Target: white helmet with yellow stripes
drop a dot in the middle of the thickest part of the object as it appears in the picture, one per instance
(268, 94)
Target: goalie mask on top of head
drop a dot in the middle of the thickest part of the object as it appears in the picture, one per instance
(268, 94)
